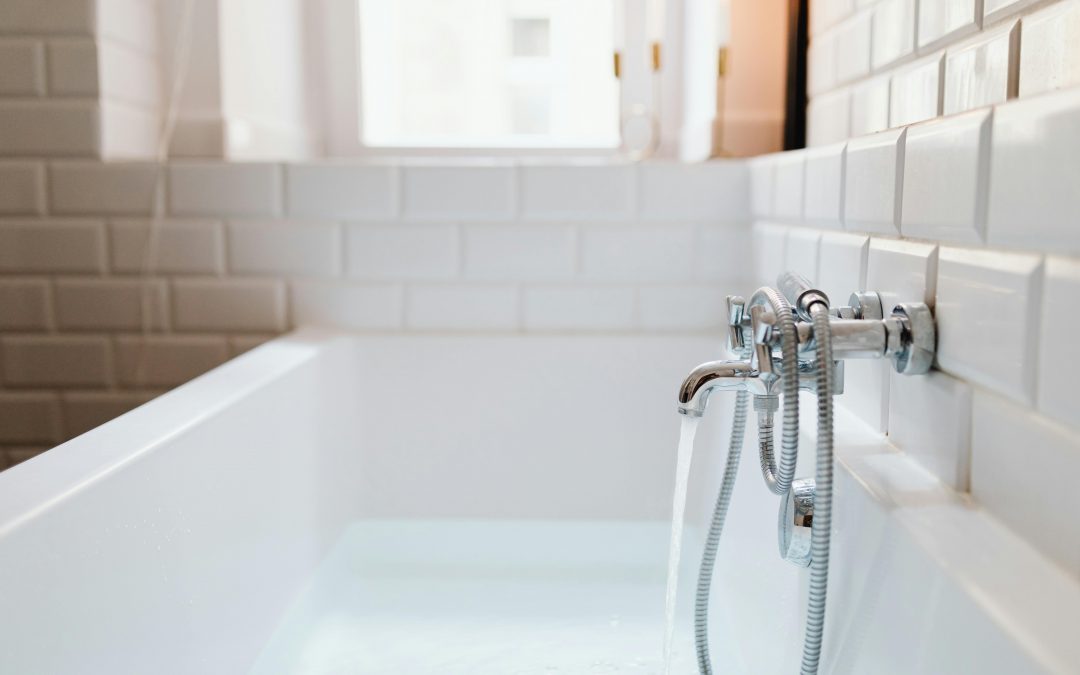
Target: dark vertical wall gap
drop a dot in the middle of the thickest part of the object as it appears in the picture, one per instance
(795, 91)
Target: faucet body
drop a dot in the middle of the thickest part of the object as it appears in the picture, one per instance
(858, 331)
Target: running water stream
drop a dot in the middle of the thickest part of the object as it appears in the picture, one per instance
(678, 512)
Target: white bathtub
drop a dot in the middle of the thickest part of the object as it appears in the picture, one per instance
(465, 504)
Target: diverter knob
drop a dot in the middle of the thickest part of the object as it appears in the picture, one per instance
(796, 521)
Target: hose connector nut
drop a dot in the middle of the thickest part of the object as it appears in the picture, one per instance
(800, 294)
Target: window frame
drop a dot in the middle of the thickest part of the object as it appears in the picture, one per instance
(337, 58)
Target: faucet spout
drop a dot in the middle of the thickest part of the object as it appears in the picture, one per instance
(724, 375)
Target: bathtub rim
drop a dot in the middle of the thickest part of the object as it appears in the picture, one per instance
(41, 483)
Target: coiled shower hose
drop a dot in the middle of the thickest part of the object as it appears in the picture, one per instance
(820, 534)
(779, 480)
(716, 526)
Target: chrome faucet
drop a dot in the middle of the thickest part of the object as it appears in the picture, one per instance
(754, 337)
(737, 374)
(859, 331)
(784, 340)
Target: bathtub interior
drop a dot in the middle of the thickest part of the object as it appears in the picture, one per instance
(192, 534)
(342, 503)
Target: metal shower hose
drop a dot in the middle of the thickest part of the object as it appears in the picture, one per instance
(820, 534)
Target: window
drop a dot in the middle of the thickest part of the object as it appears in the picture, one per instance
(486, 74)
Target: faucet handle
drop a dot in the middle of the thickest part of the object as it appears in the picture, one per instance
(736, 309)
(762, 329)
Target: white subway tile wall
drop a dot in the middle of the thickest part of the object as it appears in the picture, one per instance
(347, 305)
(930, 419)
(561, 192)
(1050, 50)
(940, 20)
(801, 252)
(829, 117)
(873, 182)
(853, 48)
(995, 9)
(22, 188)
(52, 127)
(929, 59)
(73, 67)
(341, 191)
(902, 271)
(972, 285)
(302, 249)
(983, 71)
(102, 307)
(1034, 171)
(456, 192)
(168, 246)
(79, 78)
(788, 186)
(29, 418)
(111, 304)
(228, 305)
(1013, 452)
(579, 308)
(402, 251)
(166, 361)
(870, 105)
(976, 214)
(1057, 395)
(821, 69)
(22, 67)
(31, 16)
(762, 177)
(513, 252)
(769, 250)
(946, 172)
(823, 176)
(682, 307)
(712, 192)
(52, 246)
(84, 410)
(915, 91)
(114, 189)
(462, 307)
(25, 305)
(637, 252)
(893, 31)
(217, 189)
(842, 265)
(56, 361)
